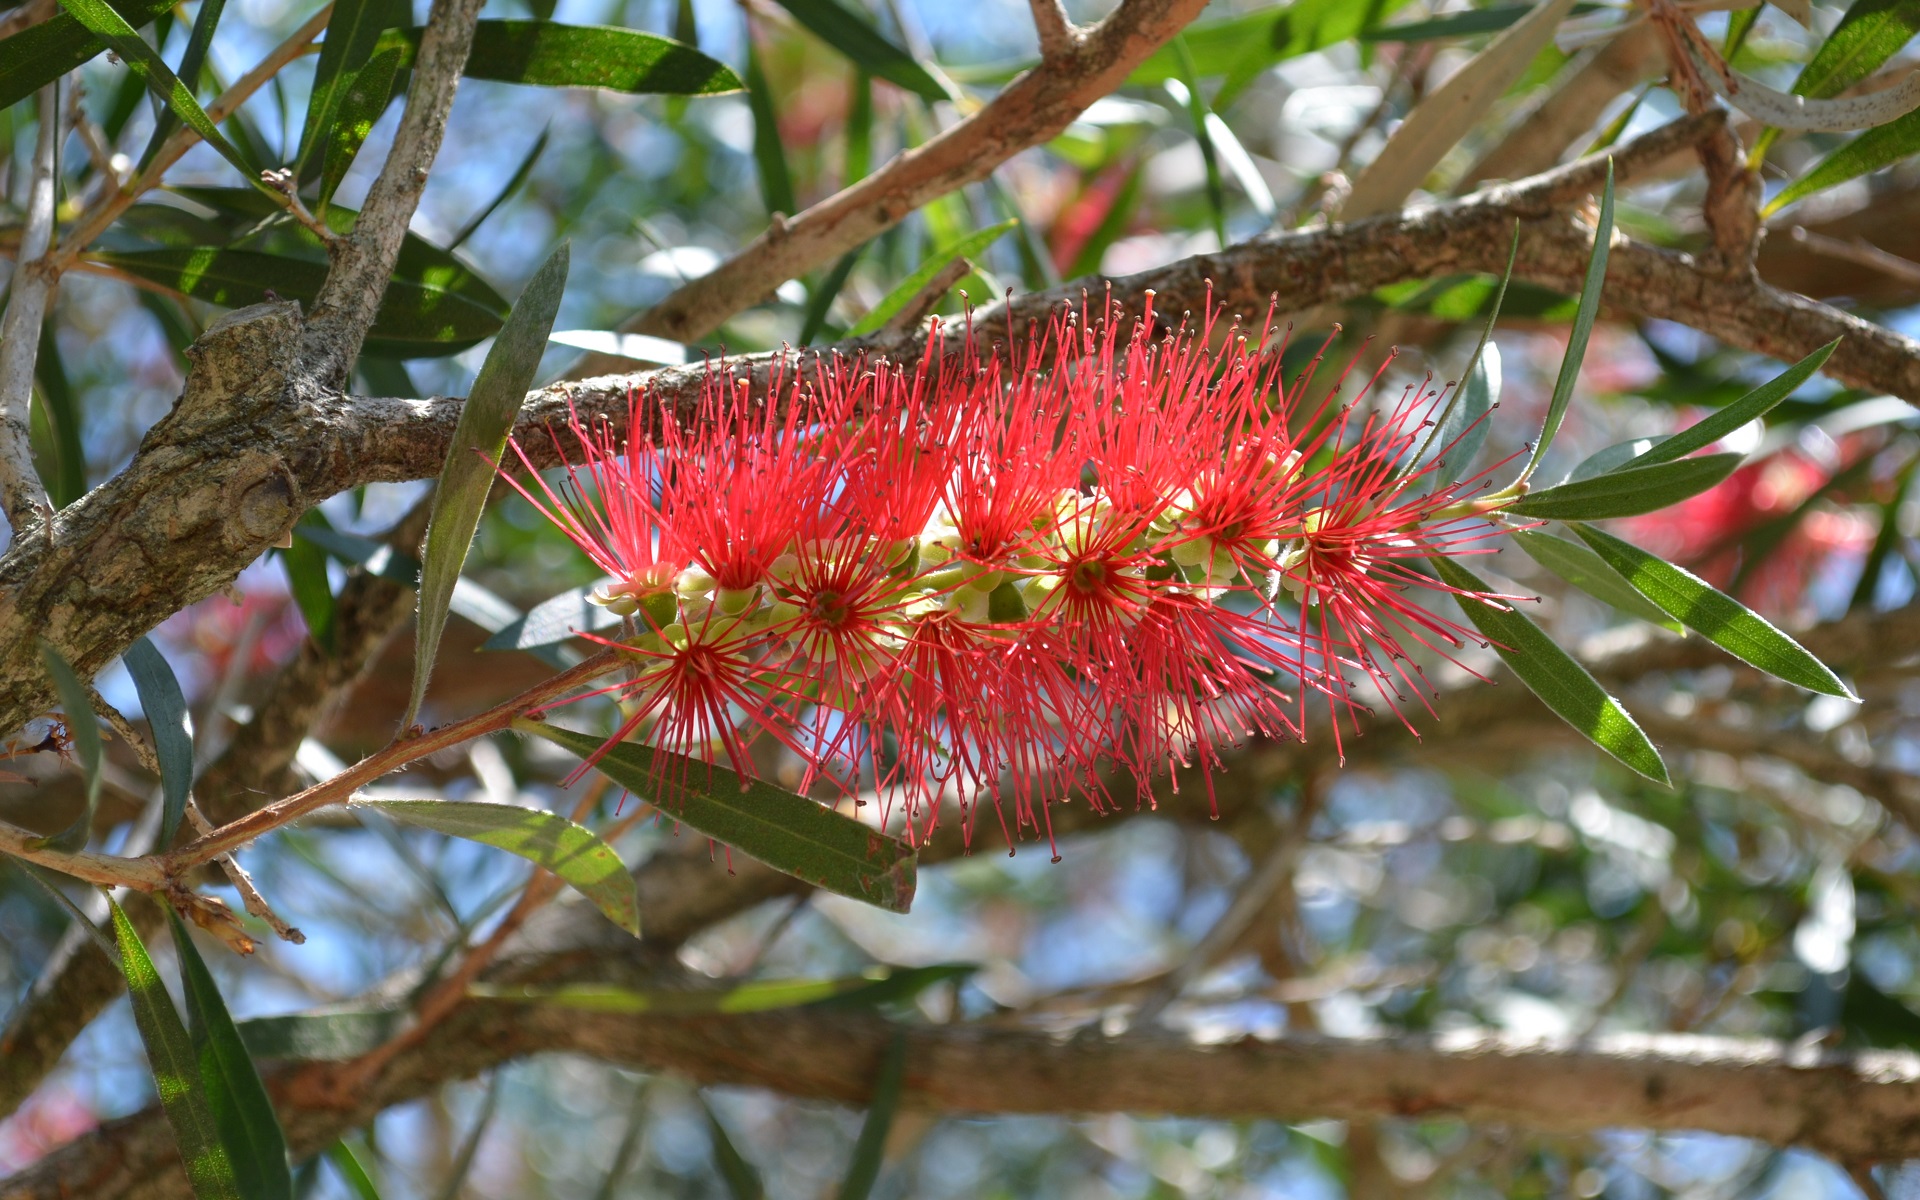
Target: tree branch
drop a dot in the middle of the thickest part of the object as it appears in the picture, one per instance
(1030, 110)
(362, 261)
(1850, 1106)
(22, 495)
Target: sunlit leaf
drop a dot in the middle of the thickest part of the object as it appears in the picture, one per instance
(1444, 116)
(192, 62)
(166, 710)
(1748, 408)
(935, 262)
(1552, 674)
(551, 54)
(881, 985)
(361, 105)
(853, 34)
(1627, 491)
(243, 1113)
(1582, 326)
(143, 60)
(324, 1036)
(1590, 573)
(353, 31)
(573, 852)
(43, 52)
(176, 1068)
(789, 833)
(554, 620)
(1876, 148)
(478, 440)
(769, 152)
(1714, 615)
(351, 1170)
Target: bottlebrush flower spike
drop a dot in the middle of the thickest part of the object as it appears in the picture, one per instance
(991, 578)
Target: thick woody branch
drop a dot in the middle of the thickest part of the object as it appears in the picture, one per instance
(1032, 109)
(363, 259)
(1846, 1105)
(22, 495)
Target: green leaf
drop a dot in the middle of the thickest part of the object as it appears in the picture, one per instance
(739, 1174)
(84, 729)
(789, 833)
(1612, 458)
(1590, 573)
(176, 1068)
(361, 105)
(1750, 407)
(433, 307)
(353, 31)
(820, 297)
(1876, 148)
(573, 852)
(323, 1036)
(1461, 429)
(769, 153)
(904, 292)
(549, 54)
(513, 185)
(1461, 24)
(306, 565)
(1627, 491)
(1583, 319)
(1872, 32)
(478, 440)
(853, 35)
(553, 621)
(249, 1127)
(1247, 45)
(166, 710)
(110, 27)
(885, 984)
(870, 1150)
(1553, 675)
(42, 53)
(192, 62)
(352, 1171)
(1714, 615)
(60, 405)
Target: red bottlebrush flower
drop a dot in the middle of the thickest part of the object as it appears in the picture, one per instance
(984, 581)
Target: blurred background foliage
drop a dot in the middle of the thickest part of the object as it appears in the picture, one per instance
(1535, 889)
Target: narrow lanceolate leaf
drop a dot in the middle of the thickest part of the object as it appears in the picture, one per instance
(1462, 428)
(43, 52)
(789, 833)
(166, 709)
(249, 1128)
(735, 1169)
(110, 27)
(306, 564)
(84, 732)
(1750, 407)
(1582, 330)
(433, 306)
(550, 54)
(870, 1150)
(881, 985)
(553, 621)
(769, 153)
(176, 1069)
(500, 197)
(1784, 110)
(352, 1171)
(1714, 615)
(192, 61)
(1612, 458)
(904, 292)
(853, 35)
(1445, 115)
(353, 31)
(1590, 573)
(1876, 148)
(1553, 675)
(1627, 492)
(361, 105)
(573, 852)
(1872, 32)
(478, 440)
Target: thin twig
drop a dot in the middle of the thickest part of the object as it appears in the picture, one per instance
(1860, 252)
(243, 883)
(22, 495)
(108, 208)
